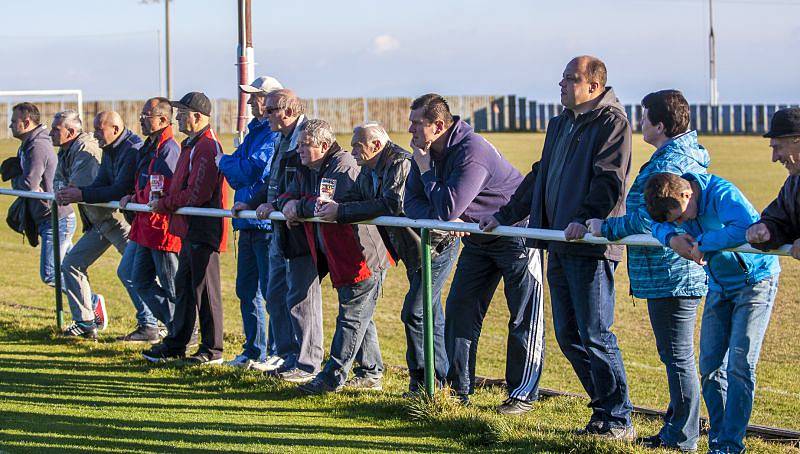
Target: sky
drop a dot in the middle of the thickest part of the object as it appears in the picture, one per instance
(348, 48)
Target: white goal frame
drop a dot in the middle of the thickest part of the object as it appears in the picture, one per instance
(71, 92)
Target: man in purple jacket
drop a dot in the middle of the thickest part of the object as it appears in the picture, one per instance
(457, 175)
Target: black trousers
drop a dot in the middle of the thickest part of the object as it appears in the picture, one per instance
(198, 291)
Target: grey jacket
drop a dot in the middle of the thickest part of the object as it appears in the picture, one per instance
(38, 162)
(78, 164)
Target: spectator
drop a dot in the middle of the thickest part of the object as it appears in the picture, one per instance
(246, 170)
(353, 253)
(588, 149)
(155, 259)
(672, 285)
(197, 182)
(103, 227)
(780, 221)
(714, 215)
(457, 175)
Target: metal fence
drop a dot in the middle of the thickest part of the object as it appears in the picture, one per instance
(486, 113)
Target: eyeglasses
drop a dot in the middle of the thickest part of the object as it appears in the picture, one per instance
(143, 116)
(272, 110)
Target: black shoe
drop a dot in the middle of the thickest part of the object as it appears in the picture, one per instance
(512, 406)
(656, 442)
(463, 400)
(76, 330)
(593, 427)
(317, 386)
(160, 353)
(202, 359)
(142, 333)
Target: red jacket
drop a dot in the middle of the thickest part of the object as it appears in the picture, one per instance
(197, 182)
(157, 157)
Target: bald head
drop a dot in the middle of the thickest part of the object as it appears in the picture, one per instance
(283, 109)
(108, 126)
(592, 68)
(583, 81)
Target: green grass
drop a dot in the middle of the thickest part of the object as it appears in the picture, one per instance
(60, 395)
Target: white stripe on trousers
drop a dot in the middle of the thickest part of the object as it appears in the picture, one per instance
(535, 341)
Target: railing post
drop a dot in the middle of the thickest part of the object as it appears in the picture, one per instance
(56, 231)
(427, 314)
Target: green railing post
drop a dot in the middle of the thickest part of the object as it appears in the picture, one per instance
(57, 263)
(427, 314)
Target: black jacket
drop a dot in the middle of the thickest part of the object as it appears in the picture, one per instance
(595, 171)
(117, 173)
(782, 216)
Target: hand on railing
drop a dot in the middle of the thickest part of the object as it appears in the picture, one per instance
(595, 227)
(757, 233)
(575, 231)
(488, 223)
(290, 211)
(237, 207)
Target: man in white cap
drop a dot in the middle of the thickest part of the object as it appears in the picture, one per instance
(246, 170)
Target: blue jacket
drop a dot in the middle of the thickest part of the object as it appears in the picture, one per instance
(659, 272)
(247, 168)
(723, 216)
(470, 179)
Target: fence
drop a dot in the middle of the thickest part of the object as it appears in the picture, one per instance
(486, 113)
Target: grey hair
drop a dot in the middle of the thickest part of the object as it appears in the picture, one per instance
(370, 132)
(318, 132)
(70, 119)
(287, 99)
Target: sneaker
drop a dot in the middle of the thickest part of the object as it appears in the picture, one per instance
(100, 314)
(162, 332)
(625, 433)
(364, 384)
(317, 386)
(241, 361)
(512, 406)
(296, 375)
(142, 333)
(655, 442)
(272, 363)
(79, 330)
(202, 359)
(160, 353)
(593, 427)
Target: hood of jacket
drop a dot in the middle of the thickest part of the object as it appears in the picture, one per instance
(686, 146)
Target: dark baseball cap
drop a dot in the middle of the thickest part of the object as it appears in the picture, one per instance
(785, 122)
(196, 101)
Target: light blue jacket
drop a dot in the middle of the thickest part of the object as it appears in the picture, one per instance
(657, 272)
(723, 216)
(247, 168)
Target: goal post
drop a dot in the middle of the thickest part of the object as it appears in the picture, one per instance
(46, 97)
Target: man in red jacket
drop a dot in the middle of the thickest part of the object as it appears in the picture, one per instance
(156, 253)
(197, 182)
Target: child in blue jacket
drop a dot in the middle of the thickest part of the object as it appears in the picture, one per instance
(699, 216)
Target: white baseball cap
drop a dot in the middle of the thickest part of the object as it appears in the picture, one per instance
(264, 84)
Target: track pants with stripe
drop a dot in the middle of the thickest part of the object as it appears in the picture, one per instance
(483, 262)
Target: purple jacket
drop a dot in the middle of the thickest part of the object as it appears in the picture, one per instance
(470, 179)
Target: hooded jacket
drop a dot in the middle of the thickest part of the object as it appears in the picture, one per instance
(156, 157)
(782, 216)
(38, 164)
(657, 272)
(197, 182)
(247, 169)
(723, 216)
(594, 174)
(352, 252)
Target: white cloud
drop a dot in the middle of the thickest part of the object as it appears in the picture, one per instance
(384, 44)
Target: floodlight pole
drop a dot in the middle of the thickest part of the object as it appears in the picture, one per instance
(246, 71)
(166, 49)
(712, 67)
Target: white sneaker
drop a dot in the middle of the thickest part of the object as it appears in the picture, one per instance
(260, 366)
(273, 362)
(240, 361)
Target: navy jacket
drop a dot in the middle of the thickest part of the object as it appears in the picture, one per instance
(117, 173)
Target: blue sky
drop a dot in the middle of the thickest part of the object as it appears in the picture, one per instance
(109, 48)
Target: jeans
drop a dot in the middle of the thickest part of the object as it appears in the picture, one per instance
(125, 270)
(583, 298)
(280, 327)
(480, 267)
(304, 303)
(252, 279)
(66, 228)
(355, 337)
(411, 315)
(731, 334)
(159, 295)
(673, 321)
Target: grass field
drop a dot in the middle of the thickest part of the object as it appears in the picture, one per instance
(61, 395)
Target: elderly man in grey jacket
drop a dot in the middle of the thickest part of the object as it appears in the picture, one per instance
(82, 177)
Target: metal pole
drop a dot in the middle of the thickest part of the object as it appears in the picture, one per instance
(160, 73)
(427, 314)
(166, 49)
(54, 228)
(712, 57)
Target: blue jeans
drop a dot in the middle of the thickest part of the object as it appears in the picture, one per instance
(252, 279)
(583, 298)
(411, 315)
(731, 334)
(66, 228)
(483, 262)
(355, 337)
(280, 326)
(159, 296)
(125, 269)
(673, 321)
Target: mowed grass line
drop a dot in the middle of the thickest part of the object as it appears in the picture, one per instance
(58, 395)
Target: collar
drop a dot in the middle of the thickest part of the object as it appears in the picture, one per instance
(334, 149)
(124, 135)
(296, 133)
(163, 136)
(33, 134)
(191, 141)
